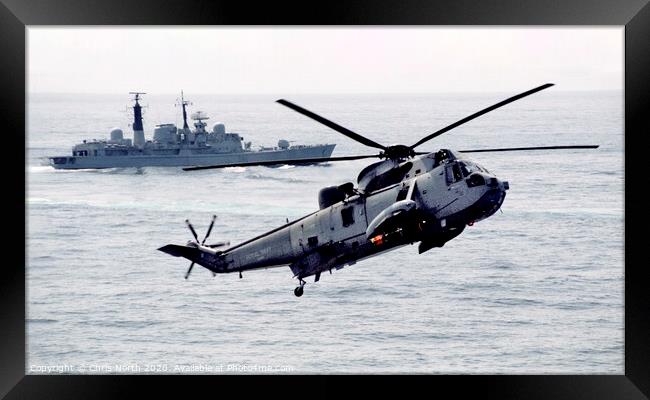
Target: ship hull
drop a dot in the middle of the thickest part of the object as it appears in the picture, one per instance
(167, 160)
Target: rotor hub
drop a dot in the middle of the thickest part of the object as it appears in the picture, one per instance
(398, 152)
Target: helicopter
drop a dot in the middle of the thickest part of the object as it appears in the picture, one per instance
(407, 197)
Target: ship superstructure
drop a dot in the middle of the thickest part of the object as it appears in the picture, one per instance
(173, 146)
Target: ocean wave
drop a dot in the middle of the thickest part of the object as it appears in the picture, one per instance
(36, 169)
(38, 200)
(236, 170)
(276, 178)
(513, 301)
(122, 323)
(41, 320)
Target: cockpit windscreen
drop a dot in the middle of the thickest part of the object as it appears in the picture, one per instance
(469, 167)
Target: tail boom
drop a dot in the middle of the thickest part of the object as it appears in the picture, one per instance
(204, 256)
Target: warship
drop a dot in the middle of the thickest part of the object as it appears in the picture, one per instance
(177, 147)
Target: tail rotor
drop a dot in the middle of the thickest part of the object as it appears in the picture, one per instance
(196, 241)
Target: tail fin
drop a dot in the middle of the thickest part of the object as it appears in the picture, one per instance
(191, 253)
(207, 258)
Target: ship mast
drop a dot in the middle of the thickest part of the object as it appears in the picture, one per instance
(183, 104)
(138, 130)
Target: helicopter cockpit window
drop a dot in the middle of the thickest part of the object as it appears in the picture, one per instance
(439, 157)
(347, 215)
(468, 168)
(454, 173)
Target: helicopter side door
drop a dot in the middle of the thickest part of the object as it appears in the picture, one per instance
(333, 224)
(347, 219)
(329, 233)
(309, 234)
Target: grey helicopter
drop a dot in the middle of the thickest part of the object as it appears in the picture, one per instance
(408, 197)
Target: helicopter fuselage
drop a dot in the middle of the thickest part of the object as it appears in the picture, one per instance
(405, 198)
(430, 199)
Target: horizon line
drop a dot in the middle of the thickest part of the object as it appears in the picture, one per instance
(311, 93)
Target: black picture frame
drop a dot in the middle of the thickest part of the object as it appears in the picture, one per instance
(15, 15)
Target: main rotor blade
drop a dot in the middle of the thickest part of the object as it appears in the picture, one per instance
(292, 161)
(479, 113)
(530, 148)
(214, 217)
(189, 225)
(330, 124)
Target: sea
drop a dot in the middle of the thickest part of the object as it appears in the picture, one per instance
(538, 288)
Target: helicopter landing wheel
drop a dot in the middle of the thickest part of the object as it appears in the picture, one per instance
(300, 289)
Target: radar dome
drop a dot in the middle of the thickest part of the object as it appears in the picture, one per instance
(219, 128)
(283, 144)
(116, 134)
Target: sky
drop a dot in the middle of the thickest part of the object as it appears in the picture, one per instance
(296, 60)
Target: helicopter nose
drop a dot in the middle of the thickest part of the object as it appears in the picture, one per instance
(494, 194)
(498, 184)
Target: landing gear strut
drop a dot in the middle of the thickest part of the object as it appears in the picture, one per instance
(299, 290)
